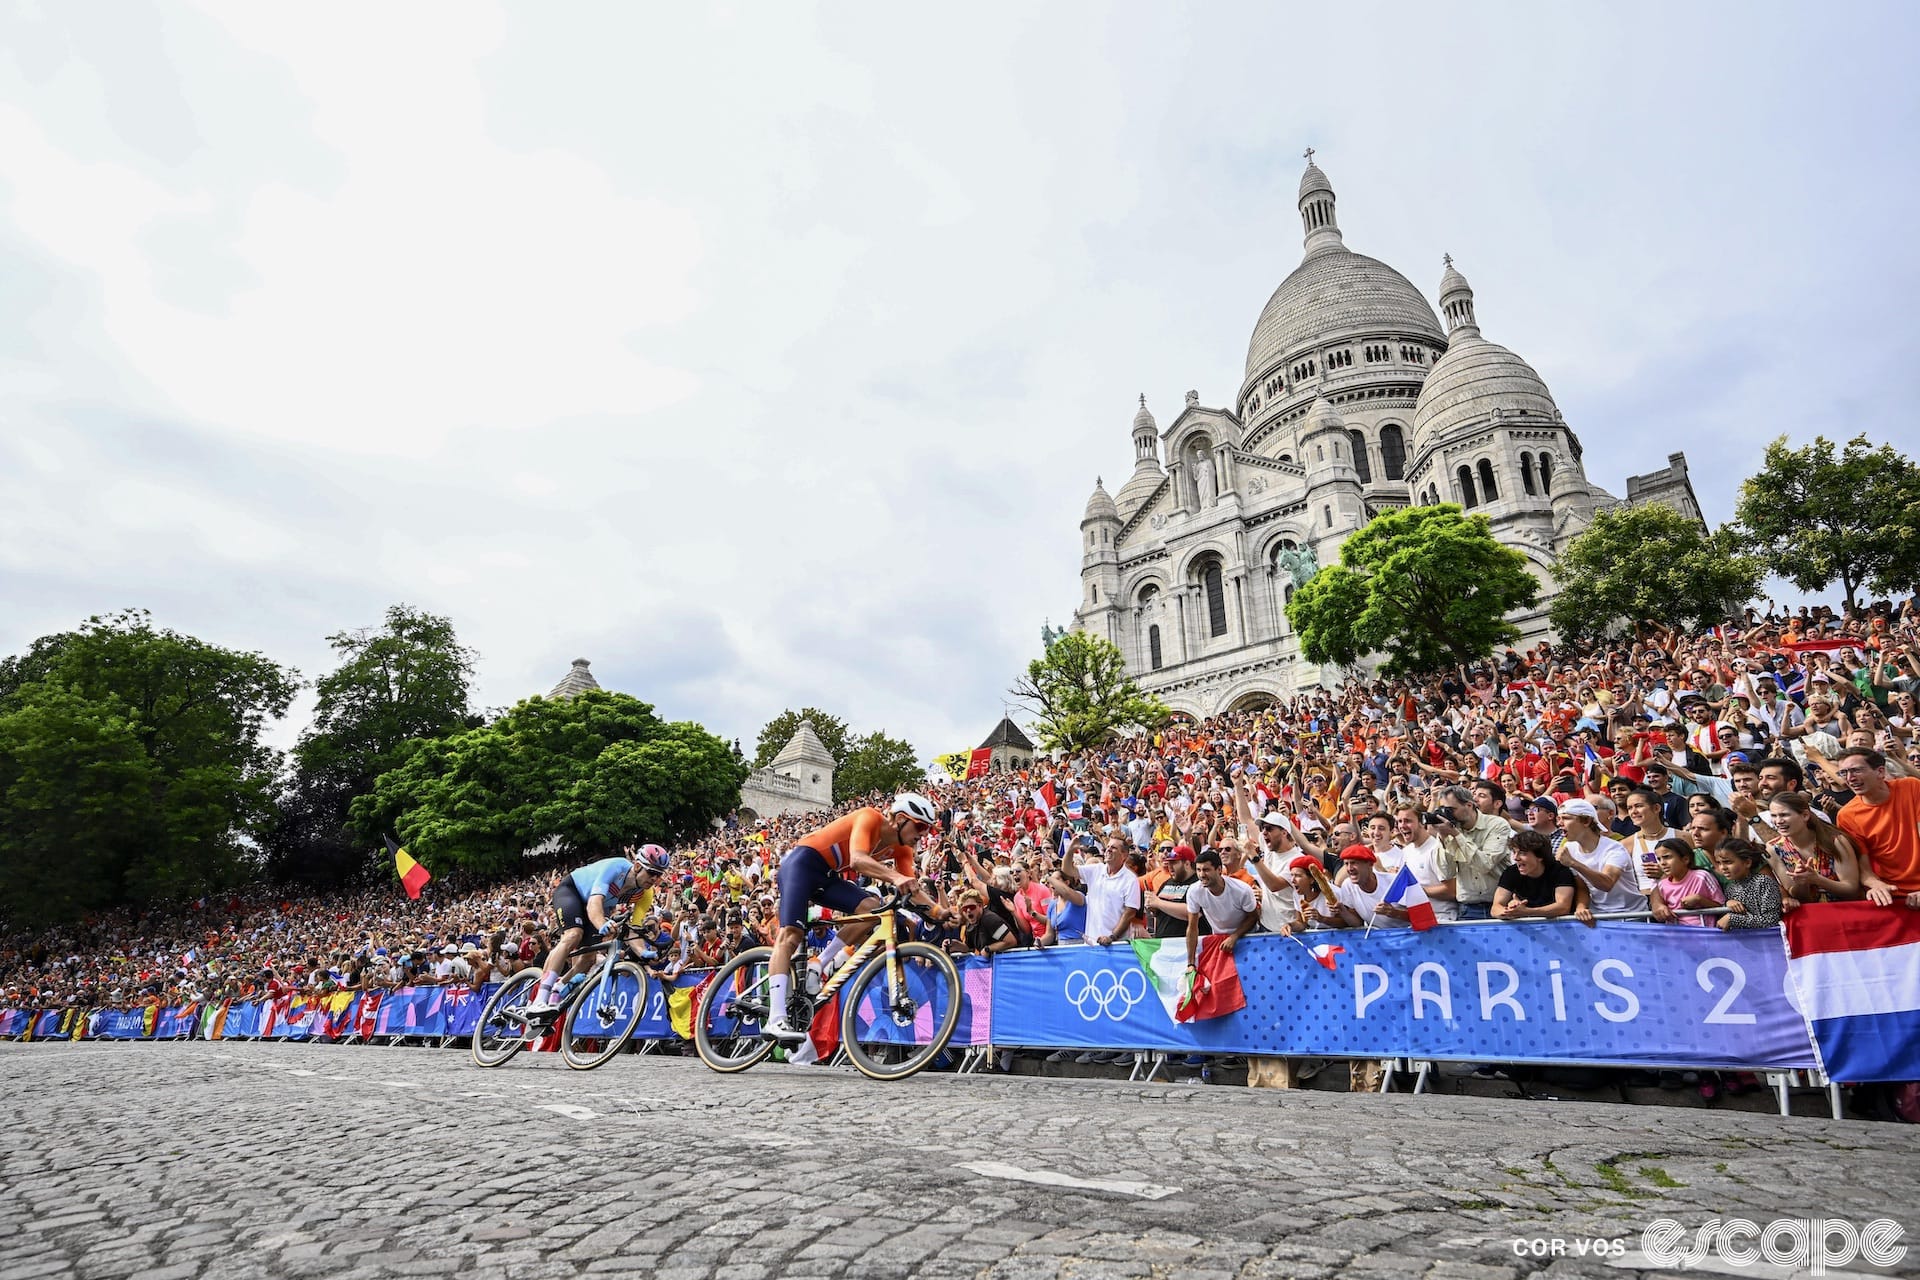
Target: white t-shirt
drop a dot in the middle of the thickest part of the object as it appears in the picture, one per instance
(1626, 894)
(1424, 860)
(1109, 894)
(1366, 901)
(1226, 909)
(1278, 906)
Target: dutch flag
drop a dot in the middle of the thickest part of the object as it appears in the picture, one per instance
(1855, 969)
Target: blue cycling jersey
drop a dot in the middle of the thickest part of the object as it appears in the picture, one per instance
(607, 878)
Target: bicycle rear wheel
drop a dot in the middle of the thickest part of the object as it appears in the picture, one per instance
(603, 1016)
(501, 1031)
(733, 1008)
(890, 1034)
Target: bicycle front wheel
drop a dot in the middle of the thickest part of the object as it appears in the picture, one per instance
(503, 1030)
(893, 1028)
(733, 1008)
(604, 1016)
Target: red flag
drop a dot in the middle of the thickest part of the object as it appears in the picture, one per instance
(979, 762)
(1049, 797)
(1216, 985)
(823, 1035)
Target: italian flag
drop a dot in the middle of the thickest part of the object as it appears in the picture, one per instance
(1212, 991)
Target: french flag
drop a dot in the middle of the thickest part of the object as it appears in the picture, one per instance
(1047, 797)
(1489, 767)
(1326, 954)
(1406, 892)
(1855, 969)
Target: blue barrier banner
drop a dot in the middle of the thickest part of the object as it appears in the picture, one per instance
(1623, 993)
(177, 1023)
(14, 1022)
(971, 1027)
(119, 1024)
(245, 1019)
(49, 1025)
(466, 1013)
(294, 1019)
(608, 1012)
(413, 1011)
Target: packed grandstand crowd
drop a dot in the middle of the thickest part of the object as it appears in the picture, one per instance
(1692, 779)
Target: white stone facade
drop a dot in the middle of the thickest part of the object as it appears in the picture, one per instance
(1356, 400)
(800, 779)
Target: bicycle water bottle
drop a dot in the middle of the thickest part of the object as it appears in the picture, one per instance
(814, 978)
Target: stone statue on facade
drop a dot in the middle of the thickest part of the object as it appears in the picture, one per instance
(1205, 484)
(1048, 634)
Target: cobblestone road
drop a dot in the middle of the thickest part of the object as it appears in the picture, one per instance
(208, 1160)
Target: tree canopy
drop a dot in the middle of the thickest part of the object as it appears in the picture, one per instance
(405, 680)
(591, 772)
(1822, 516)
(1651, 564)
(877, 762)
(1427, 586)
(1081, 693)
(131, 767)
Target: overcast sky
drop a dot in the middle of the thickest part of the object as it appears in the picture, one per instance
(766, 355)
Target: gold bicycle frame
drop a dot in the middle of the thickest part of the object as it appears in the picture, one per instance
(881, 937)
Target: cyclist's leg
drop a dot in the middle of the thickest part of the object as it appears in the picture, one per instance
(574, 925)
(803, 878)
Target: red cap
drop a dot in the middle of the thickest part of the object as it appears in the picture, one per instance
(1181, 853)
(1305, 862)
(1357, 853)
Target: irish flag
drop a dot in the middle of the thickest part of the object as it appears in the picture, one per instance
(1855, 969)
(1212, 991)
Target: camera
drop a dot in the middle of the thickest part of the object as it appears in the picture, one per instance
(1433, 817)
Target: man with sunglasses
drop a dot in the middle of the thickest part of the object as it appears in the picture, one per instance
(821, 869)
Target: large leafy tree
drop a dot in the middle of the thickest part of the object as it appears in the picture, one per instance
(877, 762)
(131, 767)
(590, 772)
(1649, 563)
(404, 680)
(1428, 587)
(1080, 694)
(1850, 516)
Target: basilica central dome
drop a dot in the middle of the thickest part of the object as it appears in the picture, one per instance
(1336, 293)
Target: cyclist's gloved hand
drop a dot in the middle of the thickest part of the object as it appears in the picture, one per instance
(606, 928)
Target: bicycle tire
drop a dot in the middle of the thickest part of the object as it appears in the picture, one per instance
(728, 1054)
(938, 969)
(494, 1050)
(581, 1059)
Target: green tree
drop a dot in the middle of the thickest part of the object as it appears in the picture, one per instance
(1821, 517)
(1081, 693)
(591, 772)
(131, 767)
(404, 680)
(1651, 564)
(779, 731)
(877, 763)
(1426, 586)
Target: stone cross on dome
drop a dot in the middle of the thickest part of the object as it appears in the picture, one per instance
(1309, 155)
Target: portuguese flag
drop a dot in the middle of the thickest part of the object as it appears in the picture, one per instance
(412, 875)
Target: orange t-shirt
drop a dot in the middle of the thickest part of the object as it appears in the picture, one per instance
(1888, 834)
(858, 832)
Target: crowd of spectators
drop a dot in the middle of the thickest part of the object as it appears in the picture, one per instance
(1709, 780)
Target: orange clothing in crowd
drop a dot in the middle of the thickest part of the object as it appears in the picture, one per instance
(1888, 833)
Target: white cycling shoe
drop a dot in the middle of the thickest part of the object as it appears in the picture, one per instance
(779, 1030)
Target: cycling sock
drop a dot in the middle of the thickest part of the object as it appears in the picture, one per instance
(544, 992)
(830, 953)
(778, 985)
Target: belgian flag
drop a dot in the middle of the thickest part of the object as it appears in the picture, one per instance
(412, 875)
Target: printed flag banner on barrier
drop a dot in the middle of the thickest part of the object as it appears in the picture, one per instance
(1622, 993)
(15, 1022)
(1856, 970)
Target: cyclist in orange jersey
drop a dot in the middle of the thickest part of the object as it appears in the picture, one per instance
(821, 868)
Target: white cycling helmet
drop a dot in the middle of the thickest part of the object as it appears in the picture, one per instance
(917, 807)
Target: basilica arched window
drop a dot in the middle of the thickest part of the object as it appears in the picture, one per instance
(1360, 460)
(1216, 600)
(1526, 473)
(1393, 452)
(1488, 489)
(1465, 477)
(1153, 645)
(1546, 473)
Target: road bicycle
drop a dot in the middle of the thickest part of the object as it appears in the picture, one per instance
(597, 1012)
(899, 1002)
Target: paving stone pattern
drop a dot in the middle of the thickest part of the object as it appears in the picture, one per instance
(209, 1160)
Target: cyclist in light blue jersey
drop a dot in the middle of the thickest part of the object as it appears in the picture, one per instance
(585, 899)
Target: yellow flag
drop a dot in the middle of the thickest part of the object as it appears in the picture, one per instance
(680, 1011)
(955, 763)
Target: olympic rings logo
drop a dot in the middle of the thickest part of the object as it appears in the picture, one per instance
(1105, 993)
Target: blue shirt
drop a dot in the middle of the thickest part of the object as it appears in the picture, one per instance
(607, 878)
